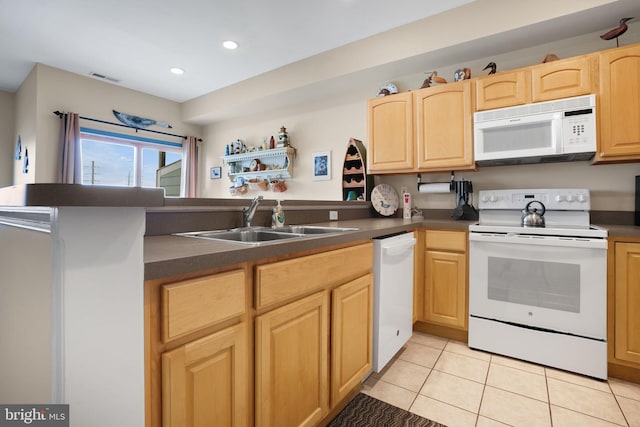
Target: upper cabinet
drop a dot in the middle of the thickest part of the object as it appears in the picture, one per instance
(444, 127)
(503, 90)
(544, 82)
(440, 116)
(564, 78)
(390, 123)
(619, 108)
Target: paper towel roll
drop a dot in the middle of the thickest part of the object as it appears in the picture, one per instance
(434, 187)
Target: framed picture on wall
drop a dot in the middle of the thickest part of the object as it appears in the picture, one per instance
(322, 166)
(216, 172)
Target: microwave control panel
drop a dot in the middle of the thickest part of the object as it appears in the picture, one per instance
(579, 131)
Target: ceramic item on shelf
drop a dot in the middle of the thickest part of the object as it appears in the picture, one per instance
(384, 199)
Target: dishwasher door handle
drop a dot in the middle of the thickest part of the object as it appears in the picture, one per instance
(398, 248)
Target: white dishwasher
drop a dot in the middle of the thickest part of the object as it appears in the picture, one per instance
(392, 296)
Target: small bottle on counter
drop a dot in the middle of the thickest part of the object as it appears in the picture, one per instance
(278, 216)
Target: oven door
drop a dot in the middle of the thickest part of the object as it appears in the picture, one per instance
(547, 282)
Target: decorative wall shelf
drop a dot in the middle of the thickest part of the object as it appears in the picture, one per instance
(354, 176)
(277, 163)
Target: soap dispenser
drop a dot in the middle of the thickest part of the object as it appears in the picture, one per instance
(278, 216)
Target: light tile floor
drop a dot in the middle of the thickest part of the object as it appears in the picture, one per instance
(446, 381)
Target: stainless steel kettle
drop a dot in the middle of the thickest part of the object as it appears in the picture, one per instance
(531, 217)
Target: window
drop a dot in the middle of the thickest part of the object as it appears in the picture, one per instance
(130, 161)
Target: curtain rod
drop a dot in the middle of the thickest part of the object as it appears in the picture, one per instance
(60, 113)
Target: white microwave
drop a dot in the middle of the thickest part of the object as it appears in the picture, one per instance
(559, 130)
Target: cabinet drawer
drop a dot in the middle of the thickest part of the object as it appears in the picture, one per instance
(446, 240)
(283, 280)
(197, 303)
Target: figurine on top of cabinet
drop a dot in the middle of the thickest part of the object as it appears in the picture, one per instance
(462, 74)
(492, 67)
(433, 77)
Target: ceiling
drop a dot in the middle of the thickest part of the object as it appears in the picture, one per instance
(137, 42)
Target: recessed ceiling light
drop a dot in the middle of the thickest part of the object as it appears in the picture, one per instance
(176, 70)
(229, 44)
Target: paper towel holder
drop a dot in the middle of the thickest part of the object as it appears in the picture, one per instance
(451, 182)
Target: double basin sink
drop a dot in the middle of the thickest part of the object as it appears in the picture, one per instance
(258, 236)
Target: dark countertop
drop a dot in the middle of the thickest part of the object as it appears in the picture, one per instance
(54, 195)
(626, 231)
(169, 255)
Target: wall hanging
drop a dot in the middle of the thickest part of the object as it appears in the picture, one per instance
(18, 154)
(139, 122)
(322, 166)
(25, 167)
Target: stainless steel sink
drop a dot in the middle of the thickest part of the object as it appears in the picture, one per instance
(313, 229)
(257, 236)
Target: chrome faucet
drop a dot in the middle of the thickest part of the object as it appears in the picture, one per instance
(248, 213)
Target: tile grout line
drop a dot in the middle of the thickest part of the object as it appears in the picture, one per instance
(428, 375)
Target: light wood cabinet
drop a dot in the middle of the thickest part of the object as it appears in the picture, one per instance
(504, 89)
(445, 279)
(204, 382)
(444, 127)
(563, 78)
(351, 335)
(312, 352)
(619, 107)
(292, 366)
(627, 300)
(390, 125)
(198, 362)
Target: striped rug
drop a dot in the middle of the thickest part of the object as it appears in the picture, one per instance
(365, 411)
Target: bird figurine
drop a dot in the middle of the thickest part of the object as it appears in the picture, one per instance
(138, 122)
(492, 66)
(616, 32)
(433, 77)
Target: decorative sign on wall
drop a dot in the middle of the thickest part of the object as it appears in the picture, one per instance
(216, 172)
(139, 122)
(18, 154)
(322, 166)
(25, 168)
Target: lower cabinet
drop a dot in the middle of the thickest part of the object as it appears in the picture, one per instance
(445, 291)
(204, 382)
(351, 335)
(278, 344)
(624, 316)
(292, 366)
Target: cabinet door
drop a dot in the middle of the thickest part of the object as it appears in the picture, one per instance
(445, 299)
(390, 121)
(204, 383)
(444, 123)
(292, 366)
(562, 79)
(627, 301)
(503, 90)
(619, 108)
(351, 335)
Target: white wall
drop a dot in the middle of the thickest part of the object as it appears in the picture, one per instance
(8, 138)
(327, 124)
(26, 127)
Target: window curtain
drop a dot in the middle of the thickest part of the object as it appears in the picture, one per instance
(189, 167)
(71, 164)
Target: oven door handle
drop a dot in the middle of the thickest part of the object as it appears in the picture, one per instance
(517, 239)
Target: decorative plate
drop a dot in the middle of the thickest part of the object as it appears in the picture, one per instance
(386, 89)
(384, 199)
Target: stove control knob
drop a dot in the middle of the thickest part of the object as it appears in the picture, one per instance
(582, 198)
(559, 198)
(493, 199)
(484, 198)
(570, 198)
